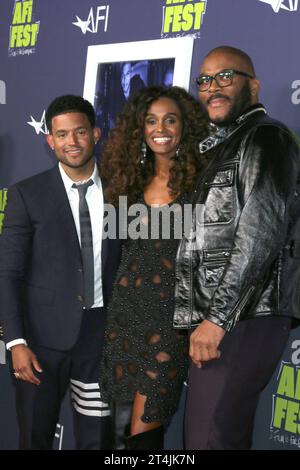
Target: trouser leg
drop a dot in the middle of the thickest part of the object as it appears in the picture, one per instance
(38, 406)
(91, 416)
(223, 395)
(92, 421)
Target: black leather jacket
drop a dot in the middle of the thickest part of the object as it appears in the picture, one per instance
(249, 261)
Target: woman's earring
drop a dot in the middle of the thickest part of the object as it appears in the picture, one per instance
(143, 154)
(178, 154)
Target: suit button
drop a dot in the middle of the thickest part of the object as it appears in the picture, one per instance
(80, 298)
(80, 270)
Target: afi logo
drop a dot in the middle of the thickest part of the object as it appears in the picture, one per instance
(289, 5)
(39, 126)
(94, 19)
(2, 92)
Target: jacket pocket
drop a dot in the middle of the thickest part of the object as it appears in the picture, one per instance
(214, 262)
(219, 204)
(39, 295)
(222, 178)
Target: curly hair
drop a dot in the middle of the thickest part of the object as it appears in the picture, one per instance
(120, 162)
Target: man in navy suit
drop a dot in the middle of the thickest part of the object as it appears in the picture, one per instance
(55, 336)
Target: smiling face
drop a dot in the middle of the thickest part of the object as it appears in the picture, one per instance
(224, 105)
(163, 127)
(73, 140)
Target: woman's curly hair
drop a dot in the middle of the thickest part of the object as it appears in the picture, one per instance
(120, 161)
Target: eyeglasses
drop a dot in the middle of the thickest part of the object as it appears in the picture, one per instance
(223, 79)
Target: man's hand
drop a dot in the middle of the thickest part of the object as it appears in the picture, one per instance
(24, 361)
(204, 342)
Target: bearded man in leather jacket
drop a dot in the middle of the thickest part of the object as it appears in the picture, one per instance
(238, 289)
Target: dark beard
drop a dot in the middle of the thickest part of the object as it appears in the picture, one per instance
(241, 103)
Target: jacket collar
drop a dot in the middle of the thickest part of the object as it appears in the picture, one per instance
(219, 134)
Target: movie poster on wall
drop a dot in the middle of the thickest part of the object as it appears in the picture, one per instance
(116, 72)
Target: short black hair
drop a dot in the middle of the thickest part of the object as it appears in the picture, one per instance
(69, 104)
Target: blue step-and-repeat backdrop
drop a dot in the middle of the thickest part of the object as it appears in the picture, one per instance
(94, 48)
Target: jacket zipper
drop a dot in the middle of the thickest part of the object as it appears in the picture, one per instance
(221, 255)
(240, 305)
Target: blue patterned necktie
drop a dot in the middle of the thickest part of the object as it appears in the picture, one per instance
(86, 236)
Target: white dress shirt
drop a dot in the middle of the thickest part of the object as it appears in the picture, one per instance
(94, 198)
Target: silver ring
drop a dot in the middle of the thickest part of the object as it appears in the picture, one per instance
(17, 375)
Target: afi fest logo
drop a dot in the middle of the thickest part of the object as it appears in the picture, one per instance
(39, 126)
(3, 201)
(182, 18)
(285, 427)
(288, 5)
(23, 30)
(2, 92)
(98, 18)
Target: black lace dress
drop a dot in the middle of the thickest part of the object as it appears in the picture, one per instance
(142, 350)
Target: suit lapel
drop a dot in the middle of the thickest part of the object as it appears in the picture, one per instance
(59, 201)
(60, 204)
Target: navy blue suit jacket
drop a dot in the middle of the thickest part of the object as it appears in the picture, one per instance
(41, 279)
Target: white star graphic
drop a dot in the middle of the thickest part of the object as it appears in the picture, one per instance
(39, 126)
(280, 4)
(81, 24)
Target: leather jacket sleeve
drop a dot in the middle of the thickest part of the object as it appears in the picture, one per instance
(266, 188)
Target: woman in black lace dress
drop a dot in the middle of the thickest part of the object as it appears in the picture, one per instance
(152, 158)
